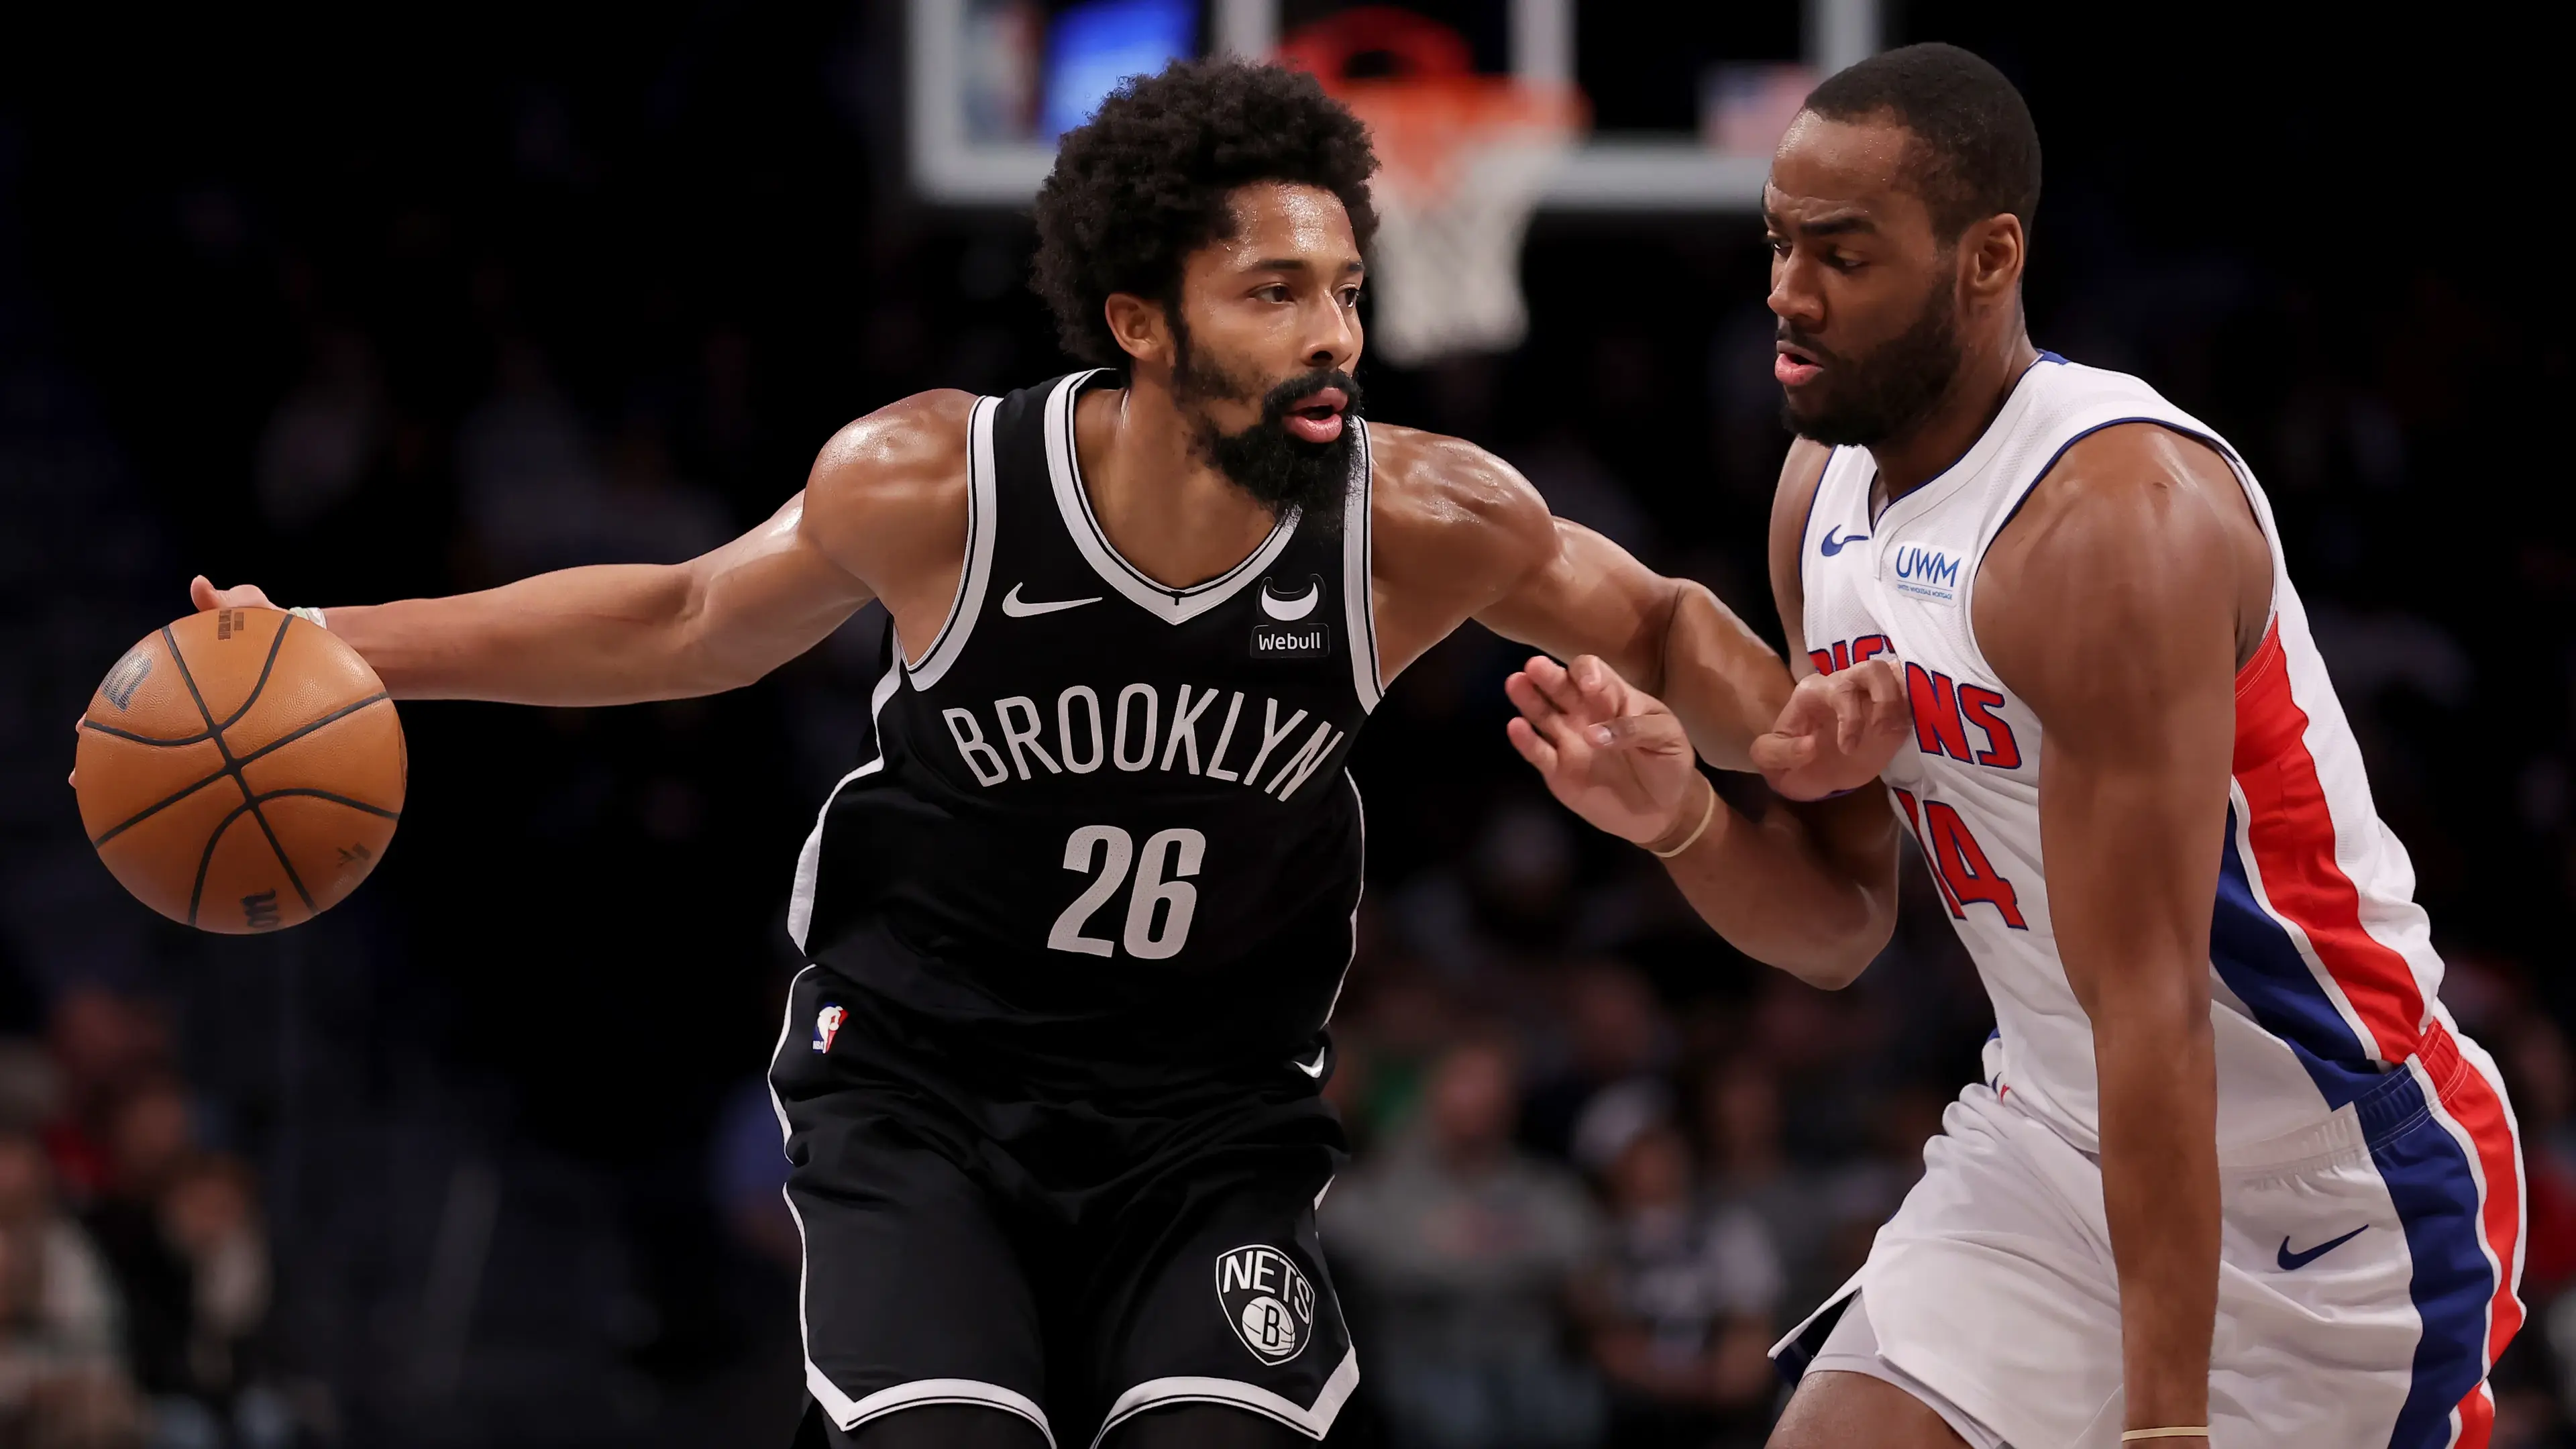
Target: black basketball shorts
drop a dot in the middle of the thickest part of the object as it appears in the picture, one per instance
(947, 1263)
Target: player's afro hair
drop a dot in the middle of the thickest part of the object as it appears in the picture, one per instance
(1143, 183)
(1977, 153)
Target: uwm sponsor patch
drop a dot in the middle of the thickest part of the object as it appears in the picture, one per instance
(1268, 1301)
(1925, 573)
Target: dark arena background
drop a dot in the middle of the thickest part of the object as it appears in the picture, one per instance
(384, 301)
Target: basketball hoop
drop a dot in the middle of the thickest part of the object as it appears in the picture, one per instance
(1463, 158)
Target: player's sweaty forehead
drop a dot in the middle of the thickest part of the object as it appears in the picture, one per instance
(1281, 226)
(1841, 178)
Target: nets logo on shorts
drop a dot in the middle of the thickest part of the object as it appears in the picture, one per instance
(1267, 1300)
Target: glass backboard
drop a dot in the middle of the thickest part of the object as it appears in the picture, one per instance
(1687, 100)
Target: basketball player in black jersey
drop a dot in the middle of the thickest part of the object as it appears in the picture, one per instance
(1076, 920)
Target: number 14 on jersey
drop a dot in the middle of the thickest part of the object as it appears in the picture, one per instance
(1960, 867)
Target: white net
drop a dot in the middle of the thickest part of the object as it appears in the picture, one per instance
(1464, 169)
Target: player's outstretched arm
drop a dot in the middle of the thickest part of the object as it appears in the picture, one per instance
(2117, 606)
(885, 501)
(1809, 888)
(1776, 887)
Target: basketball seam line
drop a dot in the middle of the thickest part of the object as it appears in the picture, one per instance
(275, 643)
(304, 790)
(232, 767)
(270, 831)
(281, 742)
(197, 892)
(250, 805)
(196, 739)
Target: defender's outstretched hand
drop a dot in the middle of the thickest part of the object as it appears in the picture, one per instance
(1837, 731)
(1610, 752)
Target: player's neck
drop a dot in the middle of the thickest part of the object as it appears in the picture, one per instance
(1163, 505)
(1985, 380)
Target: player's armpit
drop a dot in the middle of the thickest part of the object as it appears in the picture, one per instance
(2112, 607)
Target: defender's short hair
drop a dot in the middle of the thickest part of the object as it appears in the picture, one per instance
(1143, 183)
(1976, 152)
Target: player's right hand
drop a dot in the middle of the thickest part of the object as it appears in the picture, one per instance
(1609, 751)
(244, 596)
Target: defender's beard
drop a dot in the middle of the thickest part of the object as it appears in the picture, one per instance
(1876, 396)
(1265, 460)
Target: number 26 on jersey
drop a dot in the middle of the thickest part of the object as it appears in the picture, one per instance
(1159, 907)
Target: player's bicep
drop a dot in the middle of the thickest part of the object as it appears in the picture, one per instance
(2112, 617)
(766, 597)
(1672, 638)
(1586, 595)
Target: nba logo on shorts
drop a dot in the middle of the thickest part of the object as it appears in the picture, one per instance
(1267, 1300)
(827, 1025)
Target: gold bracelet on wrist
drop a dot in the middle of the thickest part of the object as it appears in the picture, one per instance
(1706, 815)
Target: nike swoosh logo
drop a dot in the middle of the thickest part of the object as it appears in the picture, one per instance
(2291, 1262)
(1289, 611)
(1317, 1070)
(1832, 545)
(1019, 608)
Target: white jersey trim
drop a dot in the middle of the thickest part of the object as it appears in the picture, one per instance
(1359, 580)
(849, 1414)
(973, 579)
(809, 860)
(1172, 606)
(786, 1029)
(1314, 1423)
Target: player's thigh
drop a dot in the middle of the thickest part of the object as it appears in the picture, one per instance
(1836, 1410)
(1214, 1292)
(913, 1292)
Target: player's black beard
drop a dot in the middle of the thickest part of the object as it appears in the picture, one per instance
(1265, 460)
(1877, 396)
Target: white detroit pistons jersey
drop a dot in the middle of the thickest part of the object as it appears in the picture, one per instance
(2323, 972)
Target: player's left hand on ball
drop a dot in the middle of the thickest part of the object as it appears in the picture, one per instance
(1837, 731)
(1610, 752)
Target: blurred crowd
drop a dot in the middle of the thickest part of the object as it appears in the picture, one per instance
(135, 1275)
(482, 1157)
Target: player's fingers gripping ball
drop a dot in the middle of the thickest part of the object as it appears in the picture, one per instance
(240, 770)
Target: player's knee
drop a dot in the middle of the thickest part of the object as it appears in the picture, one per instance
(945, 1426)
(1205, 1426)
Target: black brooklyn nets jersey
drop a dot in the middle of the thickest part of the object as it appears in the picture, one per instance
(1106, 836)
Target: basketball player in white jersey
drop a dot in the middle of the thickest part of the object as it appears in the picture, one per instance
(2234, 1177)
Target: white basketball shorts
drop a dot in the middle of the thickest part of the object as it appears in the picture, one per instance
(2367, 1275)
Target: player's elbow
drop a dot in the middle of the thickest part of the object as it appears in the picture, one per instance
(1842, 962)
(694, 658)
(1833, 952)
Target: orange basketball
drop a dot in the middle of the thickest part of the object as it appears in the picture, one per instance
(240, 770)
